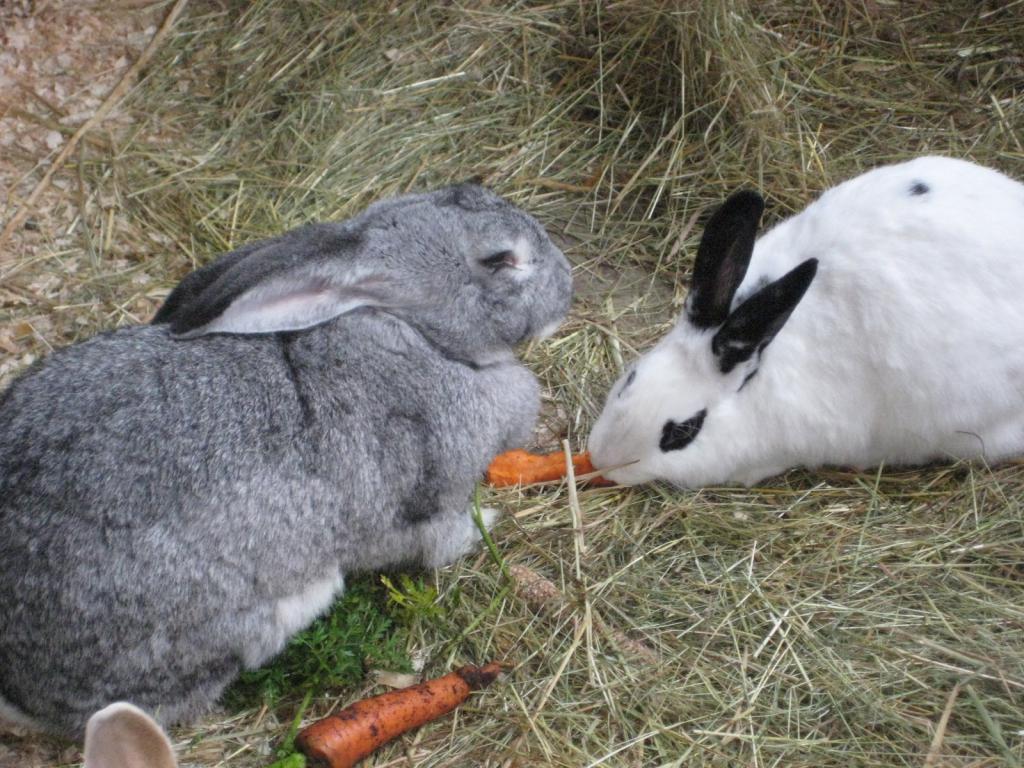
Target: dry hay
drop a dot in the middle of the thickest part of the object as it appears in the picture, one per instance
(820, 619)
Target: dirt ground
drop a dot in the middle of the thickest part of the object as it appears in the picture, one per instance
(58, 61)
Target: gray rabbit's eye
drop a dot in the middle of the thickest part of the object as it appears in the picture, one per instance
(499, 260)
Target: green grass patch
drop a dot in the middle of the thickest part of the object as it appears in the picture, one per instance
(363, 629)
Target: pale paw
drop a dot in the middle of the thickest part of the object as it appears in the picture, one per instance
(448, 541)
(489, 516)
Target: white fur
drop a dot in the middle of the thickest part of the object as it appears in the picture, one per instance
(446, 544)
(907, 347)
(10, 714)
(548, 330)
(523, 257)
(293, 613)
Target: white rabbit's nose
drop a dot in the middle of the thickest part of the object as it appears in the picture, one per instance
(623, 473)
(602, 445)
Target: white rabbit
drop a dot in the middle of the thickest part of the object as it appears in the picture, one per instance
(894, 311)
(123, 736)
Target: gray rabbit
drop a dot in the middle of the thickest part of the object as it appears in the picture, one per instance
(178, 499)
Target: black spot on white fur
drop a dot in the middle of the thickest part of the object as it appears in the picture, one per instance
(677, 435)
(919, 188)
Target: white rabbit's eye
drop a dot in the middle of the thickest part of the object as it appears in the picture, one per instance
(629, 380)
(676, 435)
(498, 260)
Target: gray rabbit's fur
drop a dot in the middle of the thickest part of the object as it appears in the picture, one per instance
(177, 499)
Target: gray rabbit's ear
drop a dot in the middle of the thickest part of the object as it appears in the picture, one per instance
(123, 736)
(291, 284)
(469, 196)
(291, 301)
(198, 281)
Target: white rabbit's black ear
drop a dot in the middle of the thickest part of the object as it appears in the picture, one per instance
(287, 285)
(722, 258)
(754, 323)
(123, 736)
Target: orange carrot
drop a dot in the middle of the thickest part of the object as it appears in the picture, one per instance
(343, 739)
(523, 468)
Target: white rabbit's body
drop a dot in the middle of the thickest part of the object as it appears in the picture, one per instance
(907, 347)
(913, 306)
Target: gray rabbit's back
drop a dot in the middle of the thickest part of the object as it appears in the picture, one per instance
(221, 539)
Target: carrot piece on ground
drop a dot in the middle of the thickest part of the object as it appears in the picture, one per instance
(346, 737)
(521, 467)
